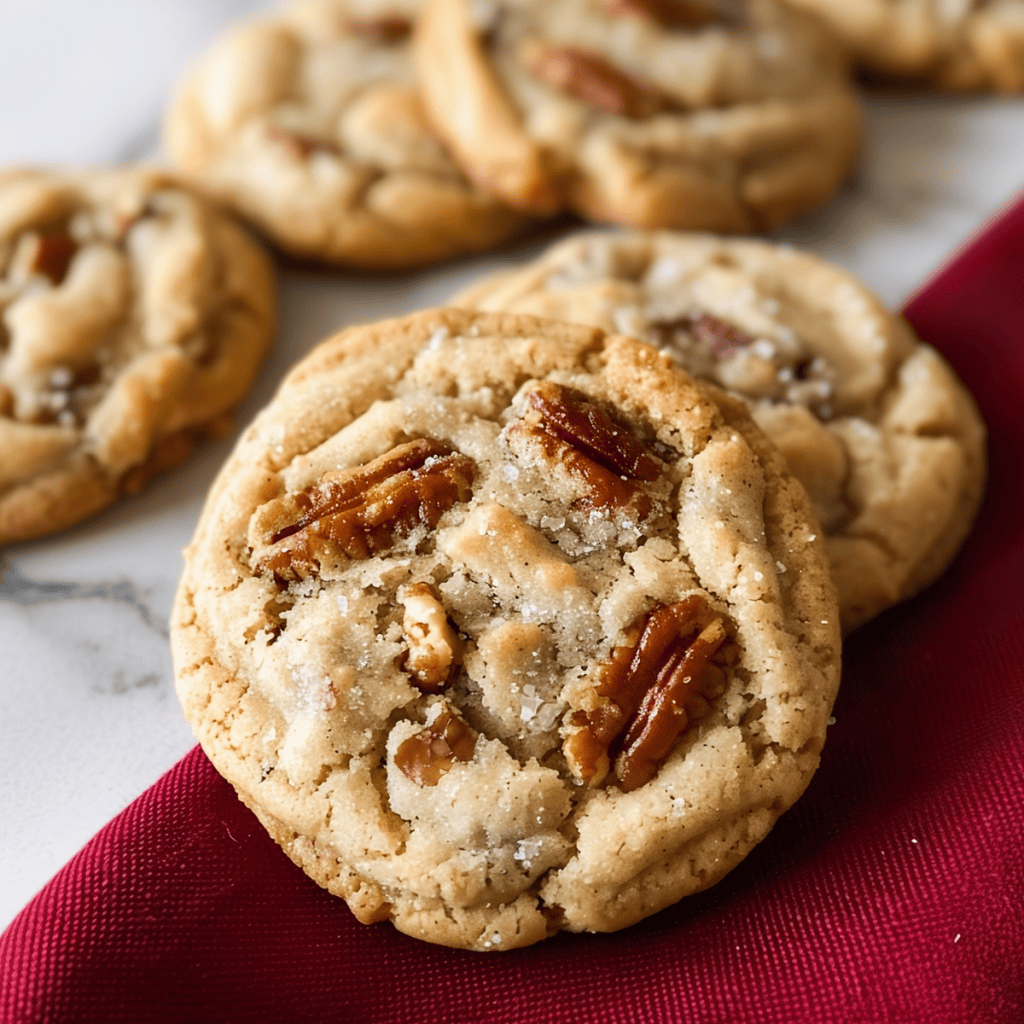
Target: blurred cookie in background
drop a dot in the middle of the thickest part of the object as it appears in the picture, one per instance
(308, 122)
(727, 116)
(134, 316)
(960, 45)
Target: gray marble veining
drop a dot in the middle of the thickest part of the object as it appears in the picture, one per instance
(17, 588)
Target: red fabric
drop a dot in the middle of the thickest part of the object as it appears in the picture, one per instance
(892, 892)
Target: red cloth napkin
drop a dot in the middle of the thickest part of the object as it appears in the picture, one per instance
(892, 892)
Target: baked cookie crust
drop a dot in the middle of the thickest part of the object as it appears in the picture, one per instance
(737, 119)
(134, 316)
(873, 422)
(503, 626)
(308, 122)
(960, 46)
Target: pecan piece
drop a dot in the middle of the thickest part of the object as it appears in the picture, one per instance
(649, 692)
(358, 512)
(567, 430)
(298, 144)
(429, 754)
(386, 31)
(435, 649)
(667, 13)
(53, 255)
(719, 338)
(589, 77)
(724, 340)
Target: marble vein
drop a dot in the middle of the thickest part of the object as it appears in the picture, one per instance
(17, 588)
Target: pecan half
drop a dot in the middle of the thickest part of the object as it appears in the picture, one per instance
(722, 339)
(386, 30)
(358, 512)
(594, 80)
(428, 755)
(648, 692)
(719, 338)
(435, 649)
(298, 144)
(668, 13)
(53, 255)
(566, 430)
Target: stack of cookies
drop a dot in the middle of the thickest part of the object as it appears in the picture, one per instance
(522, 615)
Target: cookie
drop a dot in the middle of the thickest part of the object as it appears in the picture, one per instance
(643, 113)
(960, 46)
(873, 422)
(309, 123)
(134, 316)
(503, 626)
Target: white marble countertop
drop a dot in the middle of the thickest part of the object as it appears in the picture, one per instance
(88, 716)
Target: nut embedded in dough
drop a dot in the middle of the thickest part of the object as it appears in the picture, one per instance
(435, 649)
(647, 694)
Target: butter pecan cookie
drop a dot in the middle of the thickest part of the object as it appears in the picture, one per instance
(514, 628)
(874, 423)
(728, 116)
(133, 316)
(309, 123)
(956, 44)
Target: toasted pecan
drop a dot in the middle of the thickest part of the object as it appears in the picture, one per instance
(593, 79)
(720, 338)
(427, 756)
(385, 30)
(358, 512)
(53, 254)
(435, 649)
(647, 694)
(668, 13)
(563, 428)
